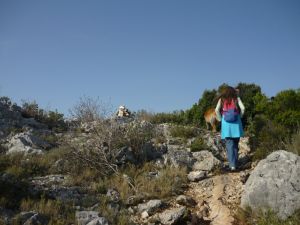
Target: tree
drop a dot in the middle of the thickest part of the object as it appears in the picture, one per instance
(247, 93)
(208, 100)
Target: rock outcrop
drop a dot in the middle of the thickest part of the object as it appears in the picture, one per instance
(274, 184)
(26, 142)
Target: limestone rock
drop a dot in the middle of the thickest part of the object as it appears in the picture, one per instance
(195, 176)
(179, 158)
(26, 143)
(150, 207)
(185, 200)
(172, 216)
(205, 161)
(275, 184)
(84, 217)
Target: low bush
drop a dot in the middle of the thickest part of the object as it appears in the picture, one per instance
(266, 137)
(12, 191)
(185, 132)
(177, 117)
(198, 144)
(100, 149)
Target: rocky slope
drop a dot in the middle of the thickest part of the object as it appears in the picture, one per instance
(212, 195)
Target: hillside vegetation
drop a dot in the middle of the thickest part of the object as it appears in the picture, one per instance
(163, 168)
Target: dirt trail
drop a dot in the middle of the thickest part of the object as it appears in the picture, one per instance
(217, 197)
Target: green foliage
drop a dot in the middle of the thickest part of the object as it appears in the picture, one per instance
(247, 93)
(12, 191)
(267, 137)
(198, 144)
(53, 119)
(208, 100)
(194, 115)
(176, 117)
(30, 109)
(276, 120)
(185, 132)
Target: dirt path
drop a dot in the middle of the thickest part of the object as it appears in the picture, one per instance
(217, 197)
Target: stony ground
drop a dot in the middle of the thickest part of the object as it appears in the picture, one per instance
(217, 197)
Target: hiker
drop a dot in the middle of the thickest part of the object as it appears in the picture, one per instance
(229, 110)
(123, 112)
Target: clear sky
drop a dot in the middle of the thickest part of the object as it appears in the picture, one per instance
(158, 55)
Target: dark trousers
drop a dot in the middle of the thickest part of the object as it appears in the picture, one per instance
(232, 149)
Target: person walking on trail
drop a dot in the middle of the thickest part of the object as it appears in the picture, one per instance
(229, 111)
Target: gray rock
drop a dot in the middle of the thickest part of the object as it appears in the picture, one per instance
(179, 158)
(26, 143)
(150, 207)
(135, 199)
(172, 216)
(113, 195)
(84, 217)
(151, 152)
(195, 176)
(33, 218)
(55, 186)
(125, 155)
(205, 161)
(215, 144)
(186, 200)
(275, 184)
(98, 221)
(6, 214)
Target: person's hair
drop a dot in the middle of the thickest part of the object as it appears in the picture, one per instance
(229, 94)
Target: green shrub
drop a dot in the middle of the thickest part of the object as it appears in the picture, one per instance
(266, 137)
(176, 117)
(53, 119)
(12, 191)
(183, 131)
(198, 144)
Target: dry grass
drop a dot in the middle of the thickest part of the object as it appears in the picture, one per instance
(57, 212)
(294, 144)
(168, 181)
(249, 217)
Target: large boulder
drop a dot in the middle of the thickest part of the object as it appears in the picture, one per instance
(215, 144)
(178, 157)
(26, 142)
(205, 161)
(274, 184)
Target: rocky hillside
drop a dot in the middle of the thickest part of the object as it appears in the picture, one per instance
(125, 171)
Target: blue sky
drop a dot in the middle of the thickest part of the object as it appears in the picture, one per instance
(158, 55)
